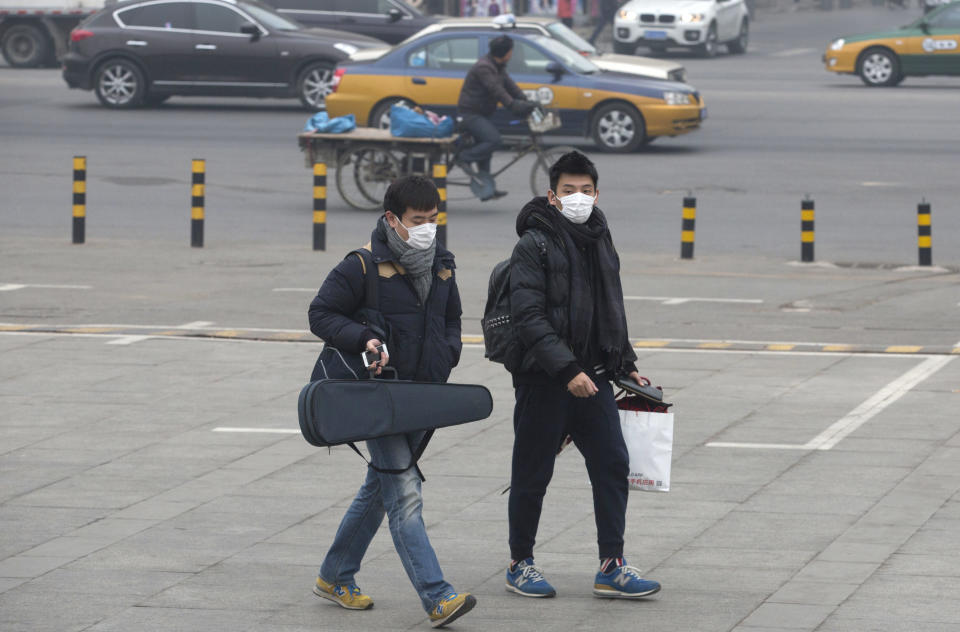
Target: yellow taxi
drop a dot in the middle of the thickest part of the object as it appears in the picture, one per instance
(929, 46)
(620, 111)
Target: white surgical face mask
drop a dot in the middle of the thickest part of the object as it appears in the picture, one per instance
(421, 236)
(577, 207)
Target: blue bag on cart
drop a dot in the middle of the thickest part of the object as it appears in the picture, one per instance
(323, 124)
(406, 122)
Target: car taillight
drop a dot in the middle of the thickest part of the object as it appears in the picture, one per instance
(80, 34)
(337, 75)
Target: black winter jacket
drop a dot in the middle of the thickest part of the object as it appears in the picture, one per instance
(423, 340)
(540, 305)
(486, 85)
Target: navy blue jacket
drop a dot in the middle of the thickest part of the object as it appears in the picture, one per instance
(423, 340)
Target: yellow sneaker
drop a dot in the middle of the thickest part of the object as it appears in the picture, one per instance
(451, 607)
(348, 596)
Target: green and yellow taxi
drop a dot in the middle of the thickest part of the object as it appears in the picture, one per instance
(929, 46)
(620, 111)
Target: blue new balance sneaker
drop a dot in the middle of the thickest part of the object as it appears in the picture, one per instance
(526, 579)
(623, 582)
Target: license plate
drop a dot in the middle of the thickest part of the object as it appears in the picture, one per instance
(655, 35)
(703, 114)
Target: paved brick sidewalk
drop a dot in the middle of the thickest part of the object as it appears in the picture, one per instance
(122, 509)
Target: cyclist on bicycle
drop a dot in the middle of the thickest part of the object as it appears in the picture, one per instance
(486, 85)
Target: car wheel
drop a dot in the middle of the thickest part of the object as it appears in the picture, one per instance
(618, 127)
(316, 82)
(624, 48)
(879, 67)
(119, 83)
(709, 46)
(380, 115)
(739, 45)
(25, 46)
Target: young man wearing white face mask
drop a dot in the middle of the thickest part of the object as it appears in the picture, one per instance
(420, 306)
(566, 305)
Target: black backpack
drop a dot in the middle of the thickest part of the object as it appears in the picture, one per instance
(500, 341)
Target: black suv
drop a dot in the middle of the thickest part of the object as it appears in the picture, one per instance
(143, 52)
(389, 20)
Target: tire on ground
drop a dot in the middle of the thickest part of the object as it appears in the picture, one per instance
(119, 83)
(314, 84)
(26, 46)
(618, 127)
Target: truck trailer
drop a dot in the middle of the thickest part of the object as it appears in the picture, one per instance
(36, 32)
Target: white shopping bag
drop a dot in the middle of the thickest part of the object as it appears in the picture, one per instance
(649, 439)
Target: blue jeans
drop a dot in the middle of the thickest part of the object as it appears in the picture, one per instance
(399, 497)
(486, 141)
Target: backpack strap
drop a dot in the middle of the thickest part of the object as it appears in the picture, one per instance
(371, 288)
(417, 453)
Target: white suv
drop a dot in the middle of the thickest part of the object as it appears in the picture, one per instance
(699, 24)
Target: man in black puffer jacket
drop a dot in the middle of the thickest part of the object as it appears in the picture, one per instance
(420, 306)
(567, 308)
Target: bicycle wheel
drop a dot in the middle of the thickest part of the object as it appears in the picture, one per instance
(540, 174)
(363, 175)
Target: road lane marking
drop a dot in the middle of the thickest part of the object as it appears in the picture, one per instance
(793, 52)
(9, 287)
(197, 324)
(680, 300)
(859, 415)
(257, 430)
(875, 404)
(128, 340)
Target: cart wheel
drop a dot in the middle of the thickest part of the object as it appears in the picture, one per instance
(363, 175)
(540, 174)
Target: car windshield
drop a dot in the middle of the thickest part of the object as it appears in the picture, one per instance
(268, 18)
(568, 56)
(568, 36)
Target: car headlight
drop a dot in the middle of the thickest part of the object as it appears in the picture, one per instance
(349, 49)
(837, 44)
(626, 14)
(677, 98)
(692, 18)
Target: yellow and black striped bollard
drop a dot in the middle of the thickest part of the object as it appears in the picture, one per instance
(79, 199)
(688, 227)
(440, 179)
(197, 194)
(924, 234)
(319, 206)
(806, 230)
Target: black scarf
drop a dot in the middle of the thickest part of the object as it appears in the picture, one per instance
(596, 296)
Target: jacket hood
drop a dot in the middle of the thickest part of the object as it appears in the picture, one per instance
(537, 213)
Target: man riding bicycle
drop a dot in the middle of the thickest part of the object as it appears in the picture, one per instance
(486, 85)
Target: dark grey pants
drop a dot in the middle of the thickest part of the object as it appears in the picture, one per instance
(487, 140)
(542, 417)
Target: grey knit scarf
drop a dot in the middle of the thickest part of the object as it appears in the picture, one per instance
(418, 264)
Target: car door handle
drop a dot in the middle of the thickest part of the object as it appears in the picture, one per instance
(206, 47)
(419, 81)
(136, 43)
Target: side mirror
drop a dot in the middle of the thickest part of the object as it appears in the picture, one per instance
(925, 27)
(395, 15)
(252, 30)
(555, 69)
